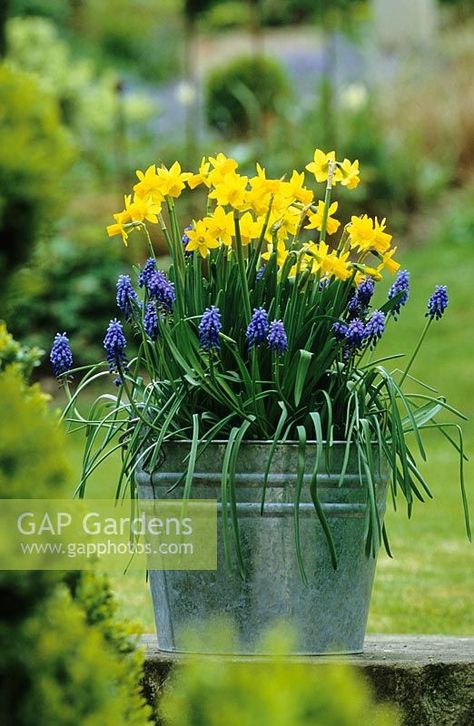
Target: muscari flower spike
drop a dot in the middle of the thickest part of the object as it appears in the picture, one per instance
(209, 329)
(150, 320)
(61, 355)
(375, 327)
(277, 339)
(147, 271)
(162, 289)
(260, 272)
(401, 285)
(437, 303)
(361, 297)
(257, 329)
(115, 344)
(355, 333)
(126, 296)
(339, 330)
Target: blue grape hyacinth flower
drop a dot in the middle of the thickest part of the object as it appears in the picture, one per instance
(437, 303)
(162, 290)
(115, 344)
(150, 320)
(61, 355)
(209, 329)
(257, 329)
(277, 339)
(149, 269)
(401, 285)
(126, 296)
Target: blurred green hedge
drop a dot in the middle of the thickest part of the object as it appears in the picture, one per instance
(35, 153)
(64, 659)
(241, 95)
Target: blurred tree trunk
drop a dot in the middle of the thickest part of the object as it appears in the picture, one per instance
(256, 29)
(4, 12)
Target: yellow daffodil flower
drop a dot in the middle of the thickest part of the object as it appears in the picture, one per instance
(138, 210)
(338, 265)
(349, 173)
(221, 166)
(232, 190)
(220, 224)
(296, 190)
(389, 263)
(281, 252)
(320, 166)
(172, 180)
(361, 233)
(249, 228)
(382, 240)
(316, 218)
(149, 185)
(202, 177)
(201, 239)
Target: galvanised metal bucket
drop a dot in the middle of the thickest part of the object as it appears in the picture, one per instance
(329, 614)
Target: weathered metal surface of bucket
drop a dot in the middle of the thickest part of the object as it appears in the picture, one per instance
(329, 614)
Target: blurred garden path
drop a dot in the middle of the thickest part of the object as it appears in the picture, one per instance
(304, 52)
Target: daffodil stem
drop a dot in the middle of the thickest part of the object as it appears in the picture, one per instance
(415, 352)
(327, 200)
(241, 264)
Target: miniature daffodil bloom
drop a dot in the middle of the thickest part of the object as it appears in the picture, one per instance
(220, 224)
(232, 190)
(284, 225)
(381, 242)
(249, 228)
(338, 265)
(320, 166)
(389, 263)
(221, 165)
(121, 218)
(281, 252)
(349, 173)
(172, 180)
(202, 177)
(373, 272)
(140, 210)
(361, 232)
(316, 218)
(149, 185)
(296, 190)
(316, 256)
(201, 239)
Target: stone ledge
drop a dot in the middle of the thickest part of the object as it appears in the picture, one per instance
(431, 678)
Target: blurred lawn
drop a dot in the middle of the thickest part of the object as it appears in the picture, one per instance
(427, 587)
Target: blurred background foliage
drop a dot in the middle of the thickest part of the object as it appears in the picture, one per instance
(273, 691)
(90, 90)
(66, 658)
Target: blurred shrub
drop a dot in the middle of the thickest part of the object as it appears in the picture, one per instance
(64, 659)
(227, 14)
(244, 94)
(68, 286)
(35, 153)
(91, 103)
(25, 359)
(56, 669)
(141, 34)
(57, 10)
(275, 691)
